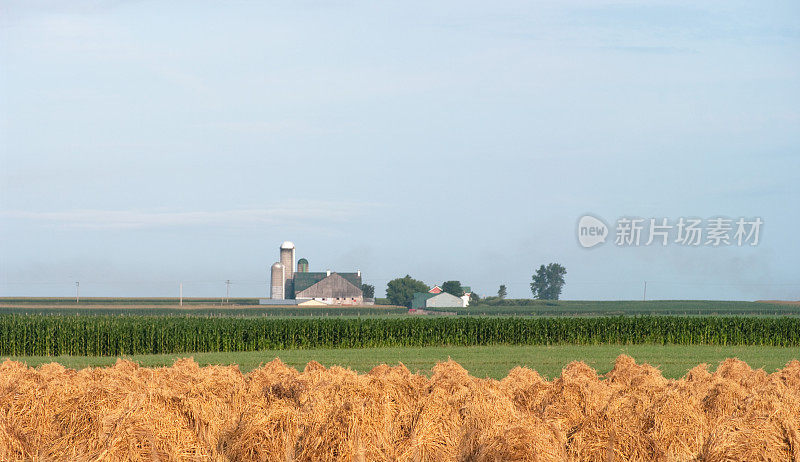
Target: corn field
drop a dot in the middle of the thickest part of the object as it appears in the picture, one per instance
(121, 335)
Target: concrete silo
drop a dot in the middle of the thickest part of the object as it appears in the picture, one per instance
(287, 260)
(277, 282)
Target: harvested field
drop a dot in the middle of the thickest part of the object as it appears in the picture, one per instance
(185, 412)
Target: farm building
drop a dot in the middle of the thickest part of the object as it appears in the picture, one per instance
(423, 300)
(330, 288)
(465, 298)
(467, 294)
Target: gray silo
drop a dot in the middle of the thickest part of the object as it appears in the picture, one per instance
(277, 281)
(287, 259)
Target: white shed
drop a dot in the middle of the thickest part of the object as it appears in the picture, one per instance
(444, 300)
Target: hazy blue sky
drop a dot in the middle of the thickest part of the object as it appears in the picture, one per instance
(146, 143)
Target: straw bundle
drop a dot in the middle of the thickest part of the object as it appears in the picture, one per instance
(276, 413)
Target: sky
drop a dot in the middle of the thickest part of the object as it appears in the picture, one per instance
(146, 144)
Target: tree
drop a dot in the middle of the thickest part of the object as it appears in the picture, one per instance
(368, 290)
(501, 292)
(474, 298)
(400, 291)
(453, 287)
(548, 281)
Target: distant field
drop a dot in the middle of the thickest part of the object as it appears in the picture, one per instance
(219, 311)
(631, 307)
(250, 307)
(481, 361)
(235, 307)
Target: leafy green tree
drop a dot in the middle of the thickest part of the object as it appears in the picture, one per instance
(368, 290)
(474, 298)
(501, 292)
(548, 281)
(453, 287)
(400, 291)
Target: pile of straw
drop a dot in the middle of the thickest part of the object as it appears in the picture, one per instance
(186, 412)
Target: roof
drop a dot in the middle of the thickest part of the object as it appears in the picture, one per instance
(287, 245)
(303, 281)
(419, 298)
(302, 260)
(333, 286)
(435, 290)
(452, 299)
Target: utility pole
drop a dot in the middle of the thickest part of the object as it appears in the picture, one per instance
(644, 297)
(77, 292)
(228, 291)
(181, 294)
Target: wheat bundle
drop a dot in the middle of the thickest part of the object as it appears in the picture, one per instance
(276, 413)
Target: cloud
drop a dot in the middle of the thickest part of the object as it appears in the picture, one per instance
(292, 212)
(283, 126)
(652, 49)
(59, 33)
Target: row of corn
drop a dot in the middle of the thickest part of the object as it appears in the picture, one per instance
(116, 335)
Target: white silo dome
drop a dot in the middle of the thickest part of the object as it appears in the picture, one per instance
(287, 245)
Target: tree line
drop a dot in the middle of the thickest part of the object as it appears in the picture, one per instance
(546, 284)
